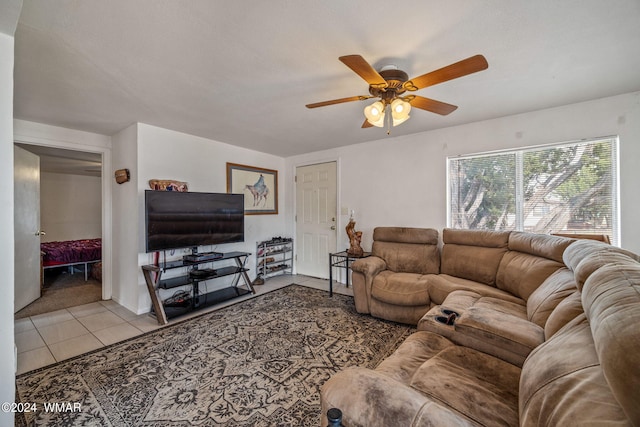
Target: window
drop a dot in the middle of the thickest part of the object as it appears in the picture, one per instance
(567, 188)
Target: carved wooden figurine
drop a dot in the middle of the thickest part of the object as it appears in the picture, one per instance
(355, 237)
(168, 185)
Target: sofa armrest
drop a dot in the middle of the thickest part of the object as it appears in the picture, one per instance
(370, 398)
(369, 266)
(363, 272)
(502, 335)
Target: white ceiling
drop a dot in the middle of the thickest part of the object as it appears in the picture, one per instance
(57, 160)
(241, 72)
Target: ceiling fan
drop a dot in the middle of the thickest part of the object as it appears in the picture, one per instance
(390, 85)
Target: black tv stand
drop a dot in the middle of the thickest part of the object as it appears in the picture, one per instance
(195, 300)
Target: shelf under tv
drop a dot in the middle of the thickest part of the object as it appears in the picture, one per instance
(205, 300)
(175, 282)
(196, 300)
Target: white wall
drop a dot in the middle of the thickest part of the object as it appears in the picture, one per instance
(166, 154)
(7, 346)
(402, 181)
(125, 215)
(70, 206)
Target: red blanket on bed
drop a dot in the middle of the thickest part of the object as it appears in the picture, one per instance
(71, 251)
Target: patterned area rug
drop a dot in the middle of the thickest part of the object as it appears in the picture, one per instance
(260, 362)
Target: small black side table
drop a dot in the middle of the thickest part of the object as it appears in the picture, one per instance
(342, 260)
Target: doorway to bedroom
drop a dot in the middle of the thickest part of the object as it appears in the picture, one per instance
(66, 271)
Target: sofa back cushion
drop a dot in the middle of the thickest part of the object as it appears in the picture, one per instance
(581, 249)
(567, 310)
(473, 254)
(407, 250)
(611, 301)
(549, 294)
(594, 261)
(542, 245)
(562, 383)
(530, 260)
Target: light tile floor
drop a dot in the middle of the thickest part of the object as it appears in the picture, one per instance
(49, 338)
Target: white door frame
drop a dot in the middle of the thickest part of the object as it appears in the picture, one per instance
(294, 197)
(105, 152)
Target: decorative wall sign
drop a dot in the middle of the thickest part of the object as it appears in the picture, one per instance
(168, 185)
(259, 186)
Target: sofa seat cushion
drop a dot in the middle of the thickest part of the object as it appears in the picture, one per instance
(406, 289)
(441, 285)
(479, 386)
(563, 383)
(411, 354)
(502, 307)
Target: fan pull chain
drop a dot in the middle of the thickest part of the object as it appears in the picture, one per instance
(388, 114)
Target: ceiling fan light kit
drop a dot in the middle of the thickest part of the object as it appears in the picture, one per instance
(400, 110)
(390, 83)
(375, 113)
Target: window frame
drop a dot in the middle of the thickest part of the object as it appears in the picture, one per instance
(519, 185)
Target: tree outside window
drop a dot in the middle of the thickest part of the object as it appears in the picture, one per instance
(568, 188)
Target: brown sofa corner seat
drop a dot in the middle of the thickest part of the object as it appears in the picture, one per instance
(584, 373)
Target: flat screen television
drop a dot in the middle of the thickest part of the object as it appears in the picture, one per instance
(176, 220)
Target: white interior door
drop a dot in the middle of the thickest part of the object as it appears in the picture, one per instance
(26, 227)
(316, 204)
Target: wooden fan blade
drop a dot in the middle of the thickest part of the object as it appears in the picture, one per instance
(338, 101)
(362, 68)
(432, 105)
(459, 69)
(366, 124)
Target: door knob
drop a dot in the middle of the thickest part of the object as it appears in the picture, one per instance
(40, 233)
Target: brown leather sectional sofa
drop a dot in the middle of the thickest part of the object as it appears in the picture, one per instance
(513, 329)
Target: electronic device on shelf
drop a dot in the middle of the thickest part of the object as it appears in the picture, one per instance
(202, 272)
(179, 299)
(176, 220)
(202, 256)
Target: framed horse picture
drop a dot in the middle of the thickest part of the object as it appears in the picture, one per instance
(259, 186)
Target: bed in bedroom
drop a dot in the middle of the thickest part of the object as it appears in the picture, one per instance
(71, 253)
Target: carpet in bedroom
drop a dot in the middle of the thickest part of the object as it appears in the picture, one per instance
(63, 290)
(260, 362)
